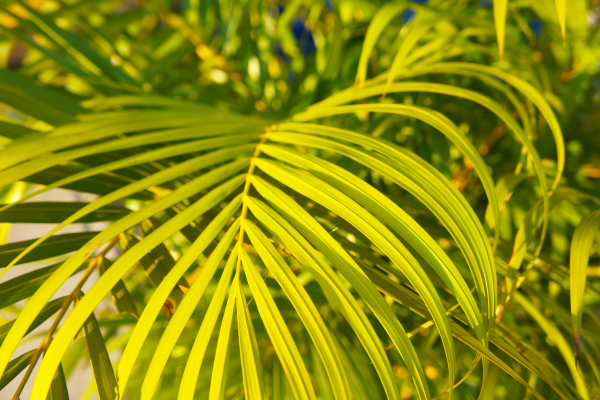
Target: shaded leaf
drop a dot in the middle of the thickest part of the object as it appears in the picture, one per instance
(15, 367)
(104, 375)
(23, 286)
(54, 246)
(51, 308)
(58, 389)
(154, 274)
(47, 212)
(161, 255)
(581, 245)
(119, 293)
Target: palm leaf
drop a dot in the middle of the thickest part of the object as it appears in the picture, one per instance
(208, 153)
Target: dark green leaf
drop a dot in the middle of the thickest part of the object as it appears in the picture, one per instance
(54, 246)
(50, 212)
(46, 313)
(15, 367)
(120, 295)
(58, 389)
(104, 375)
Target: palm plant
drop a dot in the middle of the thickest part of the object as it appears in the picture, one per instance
(346, 200)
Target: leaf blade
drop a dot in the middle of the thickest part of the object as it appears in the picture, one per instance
(561, 10)
(278, 332)
(104, 375)
(340, 258)
(218, 381)
(182, 315)
(394, 216)
(322, 272)
(103, 285)
(194, 363)
(304, 306)
(378, 234)
(581, 244)
(500, 7)
(381, 20)
(254, 386)
(430, 187)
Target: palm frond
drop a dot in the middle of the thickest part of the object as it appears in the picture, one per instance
(360, 226)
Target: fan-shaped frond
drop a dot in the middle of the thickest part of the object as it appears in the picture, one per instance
(300, 252)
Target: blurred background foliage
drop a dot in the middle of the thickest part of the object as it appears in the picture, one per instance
(273, 59)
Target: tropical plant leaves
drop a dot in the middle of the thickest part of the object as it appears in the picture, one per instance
(551, 330)
(51, 308)
(305, 308)
(119, 293)
(561, 10)
(46, 212)
(325, 225)
(25, 285)
(14, 368)
(583, 238)
(324, 274)
(190, 375)
(455, 216)
(500, 7)
(55, 246)
(104, 375)
(284, 345)
(312, 187)
(59, 390)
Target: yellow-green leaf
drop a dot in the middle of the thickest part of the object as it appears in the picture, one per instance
(196, 358)
(321, 271)
(500, 22)
(561, 10)
(342, 260)
(104, 375)
(581, 245)
(254, 386)
(85, 307)
(14, 368)
(142, 328)
(553, 332)
(183, 314)
(119, 293)
(305, 308)
(382, 19)
(278, 332)
(220, 372)
(58, 389)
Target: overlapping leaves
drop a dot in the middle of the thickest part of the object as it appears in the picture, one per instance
(277, 234)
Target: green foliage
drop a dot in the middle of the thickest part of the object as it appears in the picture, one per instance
(301, 199)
